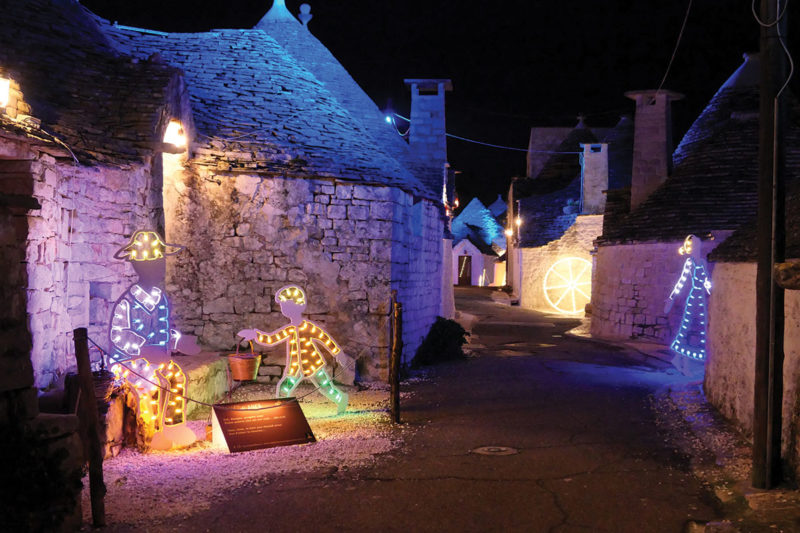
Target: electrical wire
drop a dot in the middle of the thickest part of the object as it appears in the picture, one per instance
(677, 44)
(490, 145)
(761, 22)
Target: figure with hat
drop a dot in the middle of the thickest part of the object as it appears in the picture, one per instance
(305, 341)
(142, 343)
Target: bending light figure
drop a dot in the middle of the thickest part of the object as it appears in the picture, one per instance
(142, 342)
(305, 342)
(691, 338)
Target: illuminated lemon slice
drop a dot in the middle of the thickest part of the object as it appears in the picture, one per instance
(568, 285)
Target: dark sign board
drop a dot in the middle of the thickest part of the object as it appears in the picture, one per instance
(263, 424)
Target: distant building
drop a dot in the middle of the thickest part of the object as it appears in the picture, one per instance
(478, 244)
(556, 214)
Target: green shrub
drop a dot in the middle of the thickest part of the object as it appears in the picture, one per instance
(443, 343)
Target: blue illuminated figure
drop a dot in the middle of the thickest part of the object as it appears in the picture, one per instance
(142, 344)
(691, 338)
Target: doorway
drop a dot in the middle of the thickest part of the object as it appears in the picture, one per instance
(464, 270)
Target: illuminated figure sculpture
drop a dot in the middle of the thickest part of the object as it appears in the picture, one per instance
(304, 340)
(691, 338)
(142, 342)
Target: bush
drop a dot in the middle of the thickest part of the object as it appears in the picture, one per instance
(443, 343)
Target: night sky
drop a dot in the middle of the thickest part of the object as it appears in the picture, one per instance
(514, 64)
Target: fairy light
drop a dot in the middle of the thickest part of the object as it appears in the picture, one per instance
(305, 342)
(691, 338)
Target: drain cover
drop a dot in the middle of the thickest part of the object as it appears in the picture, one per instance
(495, 450)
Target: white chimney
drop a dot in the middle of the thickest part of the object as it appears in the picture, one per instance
(594, 178)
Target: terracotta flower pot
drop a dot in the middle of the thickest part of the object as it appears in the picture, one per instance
(244, 366)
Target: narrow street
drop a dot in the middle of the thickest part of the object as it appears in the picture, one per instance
(585, 452)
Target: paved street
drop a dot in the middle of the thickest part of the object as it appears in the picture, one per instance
(590, 457)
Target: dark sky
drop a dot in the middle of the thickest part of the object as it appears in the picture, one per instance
(514, 64)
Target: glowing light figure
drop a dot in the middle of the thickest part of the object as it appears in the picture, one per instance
(142, 342)
(305, 341)
(568, 284)
(691, 338)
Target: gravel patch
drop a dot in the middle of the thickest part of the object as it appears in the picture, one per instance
(161, 485)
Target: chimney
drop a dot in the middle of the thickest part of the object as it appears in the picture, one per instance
(652, 142)
(594, 178)
(427, 136)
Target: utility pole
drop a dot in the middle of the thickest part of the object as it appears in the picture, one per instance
(768, 396)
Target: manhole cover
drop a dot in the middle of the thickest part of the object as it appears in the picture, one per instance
(495, 450)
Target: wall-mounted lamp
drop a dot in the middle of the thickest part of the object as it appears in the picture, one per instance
(509, 232)
(175, 134)
(5, 92)
(518, 221)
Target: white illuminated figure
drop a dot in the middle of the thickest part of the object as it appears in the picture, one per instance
(691, 338)
(142, 343)
(304, 340)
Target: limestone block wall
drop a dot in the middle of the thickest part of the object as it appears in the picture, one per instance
(86, 214)
(631, 283)
(346, 245)
(417, 265)
(577, 241)
(730, 369)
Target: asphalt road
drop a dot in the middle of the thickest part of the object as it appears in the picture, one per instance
(588, 455)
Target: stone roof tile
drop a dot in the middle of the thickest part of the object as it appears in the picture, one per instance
(256, 108)
(714, 182)
(104, 106)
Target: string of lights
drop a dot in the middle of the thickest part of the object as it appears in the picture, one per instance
(390, 119)
(188, 399)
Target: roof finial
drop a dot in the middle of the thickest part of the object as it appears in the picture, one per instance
(305, 14)
(278, 13)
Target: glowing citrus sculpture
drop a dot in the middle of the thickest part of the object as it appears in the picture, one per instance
(568, 284)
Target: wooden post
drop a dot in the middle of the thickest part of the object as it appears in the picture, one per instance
(89, 424)
(768, 389)
(395, 357)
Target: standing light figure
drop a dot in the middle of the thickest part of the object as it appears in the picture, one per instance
(304, 340)
(142, 342)
(691, 338)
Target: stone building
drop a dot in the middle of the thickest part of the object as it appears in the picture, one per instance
(730, 369)
(288, 174)
(709, 191)
(557, 212)
(706, 187)
(80, 128)
(478, 245)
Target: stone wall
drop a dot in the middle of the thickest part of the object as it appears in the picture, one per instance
(417, 264)
(730, 369)
(346, 245)
(86, 214)
(577, 241)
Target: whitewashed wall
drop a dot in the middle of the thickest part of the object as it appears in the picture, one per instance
(577, 241)
(631, 283)
(730, 369)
